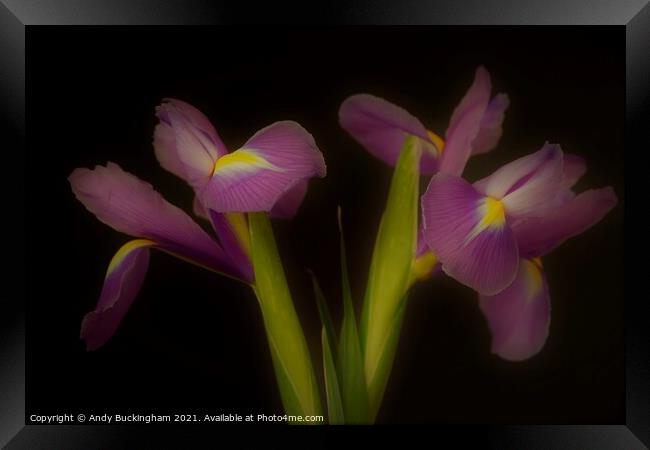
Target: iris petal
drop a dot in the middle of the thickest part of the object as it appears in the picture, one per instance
(288, 205)
(381, 127)
(132, 206)
(232, 230)
(186, 143)
(465, 124)
(270, 164)
(519, 316)
(491, 125)
(574, 168)
(122, 283)
(529, 186)
(469, 235)
(539, 235)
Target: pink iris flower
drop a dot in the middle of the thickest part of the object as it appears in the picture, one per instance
(268, 173)
(489, 235)
(475, 127)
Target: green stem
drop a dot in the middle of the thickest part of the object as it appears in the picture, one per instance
(289, 351)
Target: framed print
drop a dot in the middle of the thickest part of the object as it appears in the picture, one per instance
(233, 226)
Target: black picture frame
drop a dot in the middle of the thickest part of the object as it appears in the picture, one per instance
(16, 16)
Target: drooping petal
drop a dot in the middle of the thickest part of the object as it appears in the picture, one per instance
(538, 236)
(288, 205)
(528, 186)
(465, 124)
(128, 204)
(381, 128)
(574, 168)
(186, 143)
(491, 125)
(519, 316)
(122, 283)
(469, 235)
(268, 166)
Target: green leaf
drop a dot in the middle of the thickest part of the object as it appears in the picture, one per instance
(325, 317)
(355, 392)
(335, 412)
(385, 364)
(390, 269)
(329, 343)
(291, 358)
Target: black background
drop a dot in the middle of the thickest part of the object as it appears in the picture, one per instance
(194, 341)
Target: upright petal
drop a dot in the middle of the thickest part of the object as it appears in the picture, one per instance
(164, 145)
(574, 168)
(122, 283)
(491, 128)
(132, 206)
(186, 143)
(465, 124)
(528, 186)
(195, 119)
(469, 235)
(382, 127)
(519, 316)
(539, 235)
(268, 166)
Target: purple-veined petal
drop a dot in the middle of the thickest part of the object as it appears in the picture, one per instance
(465, 124)
(128, 204)
(422, 246)
(196, 119)
(164, 145)
(186, 143)
(268, 166)
(519, 316)
(288, 205)
(469, 235)
(491, 125)
(528, 186)
(232, 230)
(538, 236)
(122, 283)
(381, 127)
(574, 168)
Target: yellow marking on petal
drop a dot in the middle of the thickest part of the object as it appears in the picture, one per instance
(533, 270)
(242, 159)
(493, 215)
(422, 267)
(239, 226)
(437, 140)
(137, 243)
(124, 251)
